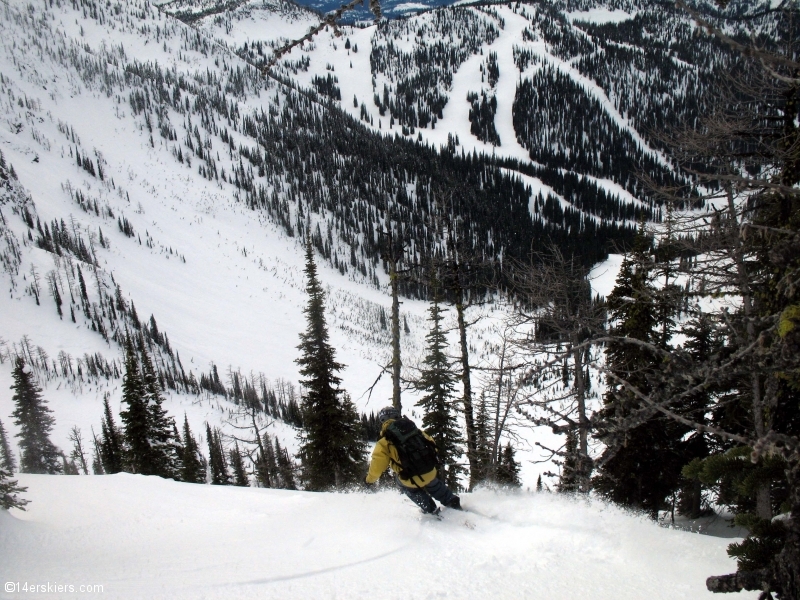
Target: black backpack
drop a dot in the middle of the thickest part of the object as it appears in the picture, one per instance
(417, 453)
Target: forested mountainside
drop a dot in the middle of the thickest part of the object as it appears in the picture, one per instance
(502, 126)
(578, 96)
(159, 187)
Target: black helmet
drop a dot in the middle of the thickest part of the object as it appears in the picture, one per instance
(388, 412)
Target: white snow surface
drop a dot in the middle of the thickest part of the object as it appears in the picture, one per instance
(600, 15)
(603, 276)
(145, 537)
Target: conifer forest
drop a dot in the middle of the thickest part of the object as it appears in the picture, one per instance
(562, 237)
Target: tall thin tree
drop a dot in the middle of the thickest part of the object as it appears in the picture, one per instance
(193, 470)
(111, 442)
(437, 382)
(135, 419)
(35, 422)
(331, 444)
(7, 460)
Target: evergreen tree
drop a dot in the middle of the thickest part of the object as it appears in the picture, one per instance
(701, 343)
(138, 455)
(68, 466)
(642, 465)
(569, 480)
(111, 442)
(285, 468)
(216, 458)
(7, 461)
(483, 445)
(266, 464)
(161, 429)
(237, 464)
(193, 469)
(177, 451)
(97, 461)
(437, 382)
(9, 490)
(33, 417)
(508, 468)
(331, 442)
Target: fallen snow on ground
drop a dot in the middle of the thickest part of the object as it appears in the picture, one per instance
(600, 16)
(144, 537)
(603, 276)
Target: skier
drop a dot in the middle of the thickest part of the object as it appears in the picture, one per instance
(411, 454)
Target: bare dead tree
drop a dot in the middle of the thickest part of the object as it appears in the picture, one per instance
(393, 254)
(501, 383)
(558, 316)
(78, 454)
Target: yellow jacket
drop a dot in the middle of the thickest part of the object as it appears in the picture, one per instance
(385, 455)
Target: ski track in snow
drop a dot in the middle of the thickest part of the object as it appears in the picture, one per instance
(144, 537)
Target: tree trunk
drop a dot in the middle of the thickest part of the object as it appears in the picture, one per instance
(584, 468)
(497, 428)
(465, 380)
(763, 503)
(396, 362)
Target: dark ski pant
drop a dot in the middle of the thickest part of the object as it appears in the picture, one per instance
(422, 496)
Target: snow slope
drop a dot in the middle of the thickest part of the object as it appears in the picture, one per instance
(144, 537)
(222, 281)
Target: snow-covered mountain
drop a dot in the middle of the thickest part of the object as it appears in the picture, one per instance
(155, 182)
(223, 282)
(572, 99)
(175, 183)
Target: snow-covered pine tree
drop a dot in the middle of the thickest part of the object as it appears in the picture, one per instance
(37, 453)
(7, 460)
(641, 466)
(111, 442)
(237, 464)
(216, 458)
(569, 482)
(285, 467)
(266, 464)
(193, 470)
(9, 488)
(508, 468)
(161, 429)
(68, 466)
(138, 455)
(437, 381)
(97, 461)
(701, 342)
(331, 443)
(483, 444)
